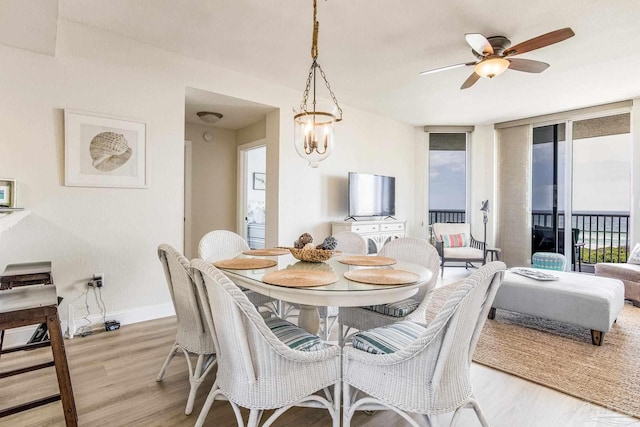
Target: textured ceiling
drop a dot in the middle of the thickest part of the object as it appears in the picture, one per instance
(373, 50)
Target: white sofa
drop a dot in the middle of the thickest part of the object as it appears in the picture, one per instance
(628, 273)
(473, 251)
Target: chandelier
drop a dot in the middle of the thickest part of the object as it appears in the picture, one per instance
(314, 129)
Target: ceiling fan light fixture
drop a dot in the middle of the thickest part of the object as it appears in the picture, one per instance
(209, 116)
(491, 67)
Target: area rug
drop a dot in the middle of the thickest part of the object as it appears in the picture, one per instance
(561, 356)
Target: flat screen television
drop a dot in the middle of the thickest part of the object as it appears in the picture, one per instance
(371, 195)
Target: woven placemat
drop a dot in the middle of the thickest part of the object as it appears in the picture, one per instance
(267, 252)
(367, 260)
(377, 276)
(299, 278)
(245, 263)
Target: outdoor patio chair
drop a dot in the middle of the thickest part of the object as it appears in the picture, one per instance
(263, 365)
(412, 367)
(193, 335)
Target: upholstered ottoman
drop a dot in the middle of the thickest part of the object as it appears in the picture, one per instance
(579, 299)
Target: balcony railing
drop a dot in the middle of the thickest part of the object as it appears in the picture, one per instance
(441, 215)
(603, 236)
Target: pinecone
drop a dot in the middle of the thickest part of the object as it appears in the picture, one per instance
(329, 244)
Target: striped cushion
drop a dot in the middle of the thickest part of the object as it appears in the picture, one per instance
(293, 336)
(454, 240)
(396, 309)
(548, 261)
(388, 339)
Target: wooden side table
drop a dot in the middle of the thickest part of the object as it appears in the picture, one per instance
(34, 304)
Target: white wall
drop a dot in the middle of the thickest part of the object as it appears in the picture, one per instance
(311, 198)
(116, 231)
(213, 181)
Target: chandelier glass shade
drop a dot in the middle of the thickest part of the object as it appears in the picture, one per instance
(491, 67)
(314, 129)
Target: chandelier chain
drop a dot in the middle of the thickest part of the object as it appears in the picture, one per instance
(314, 64)
(316, 25)
(333, 97)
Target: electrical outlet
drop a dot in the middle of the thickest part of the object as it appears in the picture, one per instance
(98, 280)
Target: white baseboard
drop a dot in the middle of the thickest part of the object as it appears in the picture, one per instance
(19, 336)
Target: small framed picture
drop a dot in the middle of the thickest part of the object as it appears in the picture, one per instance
(7, 193)
(104, 151)
(259, 181)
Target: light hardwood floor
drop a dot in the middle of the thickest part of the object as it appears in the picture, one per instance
(113, 376)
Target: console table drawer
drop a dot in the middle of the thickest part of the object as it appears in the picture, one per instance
(365, 228)
(391, 227)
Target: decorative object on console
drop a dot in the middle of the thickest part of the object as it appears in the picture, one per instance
(314, 130)
(7, 193)
(103, 151)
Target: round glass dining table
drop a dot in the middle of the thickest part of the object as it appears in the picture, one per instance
(342, 293)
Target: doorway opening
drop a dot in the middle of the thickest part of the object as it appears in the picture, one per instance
(252, 182)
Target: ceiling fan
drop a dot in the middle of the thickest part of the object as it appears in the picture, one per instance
(495, 55)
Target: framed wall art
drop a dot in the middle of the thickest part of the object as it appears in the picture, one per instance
(259, 181)
(7, 193)
(103, 151)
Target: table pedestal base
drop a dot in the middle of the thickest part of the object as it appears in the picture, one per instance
(309, 319)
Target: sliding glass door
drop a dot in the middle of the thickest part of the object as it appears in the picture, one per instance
(548, 160)
(601, 200)
(581, 178)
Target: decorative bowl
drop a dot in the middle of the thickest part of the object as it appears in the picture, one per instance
(312, 255)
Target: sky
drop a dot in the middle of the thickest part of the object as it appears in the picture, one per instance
(601, 176)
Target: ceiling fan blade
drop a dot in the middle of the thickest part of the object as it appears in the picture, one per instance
(479, 43)
(470, 81)
(540, 41)
(448, 67)
(527, 65)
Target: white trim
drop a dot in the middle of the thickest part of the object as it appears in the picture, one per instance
(241, 228)
(188, 238)
(449, 129)
(18, 336)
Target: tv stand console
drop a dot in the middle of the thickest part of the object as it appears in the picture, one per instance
(377, 233)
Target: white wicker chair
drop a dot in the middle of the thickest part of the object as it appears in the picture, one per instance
(193, 334)
(221, 244)
(430, 375)
(255, 369)
(408, 249)
(350, 243)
